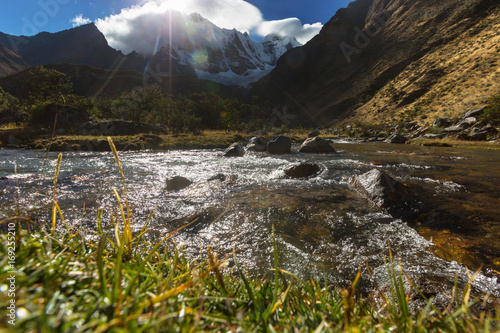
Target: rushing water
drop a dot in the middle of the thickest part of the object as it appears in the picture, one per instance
(323, 227)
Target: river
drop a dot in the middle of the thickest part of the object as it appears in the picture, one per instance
(323, 227)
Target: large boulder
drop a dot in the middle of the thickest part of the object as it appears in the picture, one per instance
(280, 145)
(441, 122)
(316, 145)
(475, 113)
(117, 128)
(383, 190)
(478, 135)
(397, 138)
(219, 177)
(257, 144)
(303, 170)
(235, 150)
(470, 120)
(178, 183)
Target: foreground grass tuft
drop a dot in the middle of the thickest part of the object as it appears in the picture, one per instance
(71, 284)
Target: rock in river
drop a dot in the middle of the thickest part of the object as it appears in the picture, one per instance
(383, 190)
(220, 177)
(178, 183)
(303, 170)
(316, 145)
(257, 144)
(235, 150)
(397, 138)
(280, 145)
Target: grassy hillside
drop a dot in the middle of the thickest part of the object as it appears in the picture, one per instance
(389, 60)
(10, 62)
(456, 77)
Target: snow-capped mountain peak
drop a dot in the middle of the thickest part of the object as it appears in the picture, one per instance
(227, 56)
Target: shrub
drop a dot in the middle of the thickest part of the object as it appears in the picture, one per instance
(492, 114)
(49, 85)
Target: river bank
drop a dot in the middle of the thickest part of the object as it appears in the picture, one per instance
(19, 139)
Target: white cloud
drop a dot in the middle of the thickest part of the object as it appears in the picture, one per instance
(290, 27)
(138, 27)
(80, 20)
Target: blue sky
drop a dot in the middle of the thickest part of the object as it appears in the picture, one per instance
(21, 16)
(118, 19)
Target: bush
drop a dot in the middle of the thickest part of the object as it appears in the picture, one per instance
(7, 101)
(10, 112)
(49, 85)
(492, 114)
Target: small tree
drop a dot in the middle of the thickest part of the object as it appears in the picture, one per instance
(48, 86)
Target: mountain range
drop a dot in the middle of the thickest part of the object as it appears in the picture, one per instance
(374, 61)
(197, 49)
(391, 60)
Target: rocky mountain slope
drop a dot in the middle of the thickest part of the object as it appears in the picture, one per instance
(389, 60)
(10, 62)
(194, 47)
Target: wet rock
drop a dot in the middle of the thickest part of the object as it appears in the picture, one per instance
(235, 150)
(280, 145)
(257, 144)
(383, 190)
(220, 177)
(441, 122)
(303, 170)
(178, 183)
(397, 138)
(316, 145)
(475, 113)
